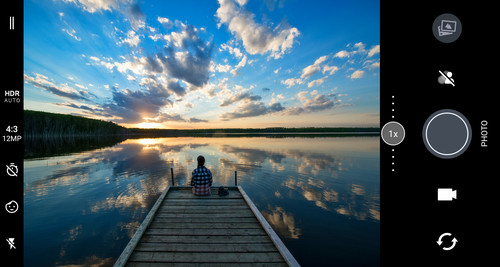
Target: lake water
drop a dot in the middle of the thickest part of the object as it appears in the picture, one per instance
(321, 195)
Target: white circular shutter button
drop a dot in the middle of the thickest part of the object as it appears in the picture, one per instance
(447, 133)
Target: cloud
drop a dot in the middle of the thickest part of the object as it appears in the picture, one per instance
(310, 70)
(132, 39)
(317, 82)
(357, 74)
(314, 68)
(173, 117)
(71, 32)
(62, 90)
(137, 17)
(92, 6)
(232, 50)
(316, 102)
(133, 106)
(256, 38)
(342, 54)
(252, 109)
(88, 108)
(195, 120)
(163, 84)
(188, 56)
(68, 30)
(374, 50)
(292, 81)
(238, 97)
(165, 22)
(330, 69)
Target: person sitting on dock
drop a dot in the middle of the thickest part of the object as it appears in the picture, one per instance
(201, 179)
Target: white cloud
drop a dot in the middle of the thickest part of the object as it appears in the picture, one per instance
(317, 82)
(330, 69)
(222, 68)
(62, 90)
(71, 32)
(314, 68)
(361, 47)
(374, 50)
(92, 6)
(292, 81)
(374, 65)
(342, 54)
(132, 39)
(256, 38)
(240, 65)
(165, 22)
(232, 50)
(357, 74)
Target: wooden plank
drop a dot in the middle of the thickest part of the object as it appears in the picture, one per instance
(204, 264)
(181, 195)
(223, 247)
(201, 215)
(181, 231)
(204, 225)
(206, 219)
(138, 234)
(205, 209)
(203, 202)
(269, 230)
(205, 257)
(184, 193)
(201, 239)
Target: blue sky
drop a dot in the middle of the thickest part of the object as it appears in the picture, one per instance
(205, 64)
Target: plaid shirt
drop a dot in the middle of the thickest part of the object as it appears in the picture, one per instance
(201, 176)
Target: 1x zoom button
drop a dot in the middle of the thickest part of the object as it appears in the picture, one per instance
(447, 133)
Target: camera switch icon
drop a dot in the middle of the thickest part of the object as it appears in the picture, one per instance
(446, 194)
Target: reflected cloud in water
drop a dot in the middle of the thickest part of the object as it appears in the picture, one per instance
(282, 222)
(91, 203)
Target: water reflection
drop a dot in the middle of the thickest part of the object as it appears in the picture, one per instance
(91, 203)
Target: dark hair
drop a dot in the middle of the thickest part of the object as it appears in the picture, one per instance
(201, 160)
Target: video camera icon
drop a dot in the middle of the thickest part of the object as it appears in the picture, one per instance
(446, 194)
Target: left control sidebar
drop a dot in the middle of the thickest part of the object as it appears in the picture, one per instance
(11, 136)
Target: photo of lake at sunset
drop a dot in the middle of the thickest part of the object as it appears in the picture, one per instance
(121, 94)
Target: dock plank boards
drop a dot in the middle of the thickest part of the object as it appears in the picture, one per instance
(187, 230)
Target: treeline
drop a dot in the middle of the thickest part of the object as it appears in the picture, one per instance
(273, 130)
(50, 125)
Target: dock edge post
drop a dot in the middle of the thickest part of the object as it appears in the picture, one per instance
(285, 253)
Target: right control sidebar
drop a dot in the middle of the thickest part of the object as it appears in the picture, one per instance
(437, 183)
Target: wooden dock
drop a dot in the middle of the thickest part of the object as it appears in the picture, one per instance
(186, 230)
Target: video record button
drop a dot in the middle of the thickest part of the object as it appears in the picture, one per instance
(447, 133)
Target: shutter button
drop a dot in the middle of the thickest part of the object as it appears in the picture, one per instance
(446, 133)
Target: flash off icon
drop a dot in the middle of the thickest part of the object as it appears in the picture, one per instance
(446, 194)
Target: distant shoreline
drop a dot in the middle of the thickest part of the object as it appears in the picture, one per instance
(51, 125)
